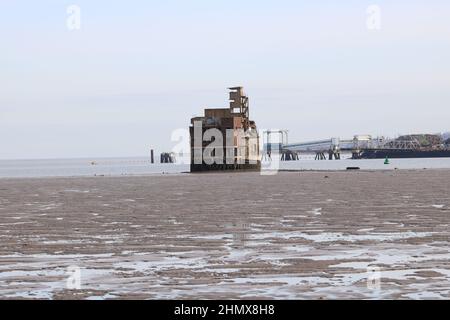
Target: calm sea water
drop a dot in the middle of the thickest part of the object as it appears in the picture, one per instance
(85, 167)
(142, 166)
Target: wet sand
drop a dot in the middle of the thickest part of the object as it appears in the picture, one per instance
(295, 235)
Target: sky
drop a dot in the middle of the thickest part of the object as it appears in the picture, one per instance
(135, 71)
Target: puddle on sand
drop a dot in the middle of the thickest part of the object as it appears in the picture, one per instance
(316, 211)
(337, 236)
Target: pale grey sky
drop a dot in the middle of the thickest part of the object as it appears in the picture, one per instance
(137, 70)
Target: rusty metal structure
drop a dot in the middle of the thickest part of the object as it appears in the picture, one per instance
(225, 138)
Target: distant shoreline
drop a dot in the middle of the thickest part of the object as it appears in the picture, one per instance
(211, 173)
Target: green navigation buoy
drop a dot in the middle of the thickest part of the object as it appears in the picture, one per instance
(386, 161)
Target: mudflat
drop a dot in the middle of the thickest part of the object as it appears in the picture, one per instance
(294, 235)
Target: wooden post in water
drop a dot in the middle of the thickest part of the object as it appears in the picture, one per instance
(152, 156)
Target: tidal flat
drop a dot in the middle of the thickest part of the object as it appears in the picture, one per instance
(294, 235)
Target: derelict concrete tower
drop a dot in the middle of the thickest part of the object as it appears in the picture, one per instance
(225, 139)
